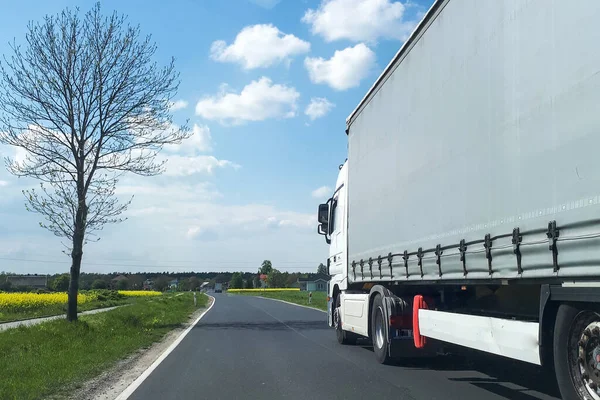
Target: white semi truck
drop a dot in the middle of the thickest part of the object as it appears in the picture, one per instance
(468, 209)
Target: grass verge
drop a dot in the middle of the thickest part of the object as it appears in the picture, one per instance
(49, 358)
(102, 298)
(58, 309)
(319, 299)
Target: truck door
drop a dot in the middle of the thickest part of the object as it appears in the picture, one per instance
(337, 224)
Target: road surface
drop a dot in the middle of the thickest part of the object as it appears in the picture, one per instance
(253, 348)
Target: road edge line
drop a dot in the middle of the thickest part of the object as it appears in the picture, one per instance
(294, 304)
(140, 379)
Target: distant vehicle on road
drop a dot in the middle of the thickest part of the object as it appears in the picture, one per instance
(218, 288)
(467, 209)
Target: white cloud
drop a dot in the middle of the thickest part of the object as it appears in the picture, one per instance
(321, 192)
(191, 165)
(318, 107)
(3, 183)
(210, 220)
(259, 46)
(178, 105)
(199, 142)
(182, 210)
(184, 215)
(259, 100)
(160, 192)
(192, 211)
(203, 234)
(359, 20)
(344, 70)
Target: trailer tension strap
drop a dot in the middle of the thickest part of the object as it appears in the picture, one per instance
(420, 262)
(462, 247)
(517, 238)
(487, 243)
(438, 261)
(553, 234)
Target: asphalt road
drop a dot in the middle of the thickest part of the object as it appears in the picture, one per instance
(252, 348)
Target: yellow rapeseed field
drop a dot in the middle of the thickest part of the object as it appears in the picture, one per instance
(30, 301)
(139, 293)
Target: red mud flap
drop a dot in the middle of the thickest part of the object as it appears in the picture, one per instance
(418, 303)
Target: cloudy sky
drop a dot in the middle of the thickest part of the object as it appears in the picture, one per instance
(266, 86)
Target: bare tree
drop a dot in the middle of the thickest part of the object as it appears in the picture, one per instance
(87, 103)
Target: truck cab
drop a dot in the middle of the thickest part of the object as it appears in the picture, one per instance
(333, 219)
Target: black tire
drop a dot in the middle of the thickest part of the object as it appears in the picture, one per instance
(571, 323)
(379, 331)
(343, 337)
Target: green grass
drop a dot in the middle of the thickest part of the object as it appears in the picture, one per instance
(49, 358)
(58, 309)
(319, 299)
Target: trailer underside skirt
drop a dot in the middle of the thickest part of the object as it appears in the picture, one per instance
(514, 339)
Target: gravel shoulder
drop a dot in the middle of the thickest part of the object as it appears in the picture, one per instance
(110, 383)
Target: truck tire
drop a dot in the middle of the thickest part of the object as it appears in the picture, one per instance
(379, 331)
(343, 337)
(576, 347)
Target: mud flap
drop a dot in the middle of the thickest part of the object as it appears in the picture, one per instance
(396, 340)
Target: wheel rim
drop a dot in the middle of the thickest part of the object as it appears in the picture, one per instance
(379, 333)
(584, 354)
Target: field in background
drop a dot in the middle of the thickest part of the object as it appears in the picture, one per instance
(19, 306)
(139, 293)
(49, 358)
(319, 299)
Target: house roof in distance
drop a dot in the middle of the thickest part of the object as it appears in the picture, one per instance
(315, 277)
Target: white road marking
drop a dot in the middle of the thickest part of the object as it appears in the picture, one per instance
(135, 384)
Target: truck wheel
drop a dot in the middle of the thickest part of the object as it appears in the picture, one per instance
(577, 352)
(379, 331)
(343, 337)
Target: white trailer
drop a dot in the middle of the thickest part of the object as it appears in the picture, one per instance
(468, 210)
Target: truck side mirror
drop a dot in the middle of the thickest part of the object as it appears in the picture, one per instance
(322, 230)
(323, 215)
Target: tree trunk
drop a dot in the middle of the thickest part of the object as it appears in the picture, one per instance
(76, 255)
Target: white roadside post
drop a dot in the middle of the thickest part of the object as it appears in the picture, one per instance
(309, 297)
(195, 299)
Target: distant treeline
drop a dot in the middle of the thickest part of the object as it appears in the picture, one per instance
(141, 280)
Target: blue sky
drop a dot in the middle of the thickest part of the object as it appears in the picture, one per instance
(267, 86)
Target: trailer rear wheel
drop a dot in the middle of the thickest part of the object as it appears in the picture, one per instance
(577, 351)
(343, 337)
(379, 331)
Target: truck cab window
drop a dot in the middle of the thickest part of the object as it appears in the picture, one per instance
(333, 220)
